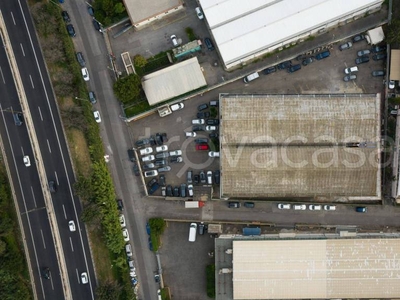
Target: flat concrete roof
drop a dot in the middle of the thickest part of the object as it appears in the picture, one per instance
(394, 64)
(316, 269)
(140, 10)
(300, 146)
(173, 81)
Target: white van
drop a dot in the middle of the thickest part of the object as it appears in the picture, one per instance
(251, 77)
(192, 232)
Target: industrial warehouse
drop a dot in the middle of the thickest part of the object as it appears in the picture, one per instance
(323, 147)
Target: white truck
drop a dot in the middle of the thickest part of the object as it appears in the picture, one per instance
(194, 204)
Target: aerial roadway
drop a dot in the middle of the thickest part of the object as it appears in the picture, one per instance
(58, 250)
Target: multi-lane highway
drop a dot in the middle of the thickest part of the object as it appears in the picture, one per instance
(36, 216)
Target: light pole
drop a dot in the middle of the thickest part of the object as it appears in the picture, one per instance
(81, 99)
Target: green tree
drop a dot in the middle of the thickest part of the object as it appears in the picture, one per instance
(119, 8)
(139, 61)
(127, 89)
(393, 32)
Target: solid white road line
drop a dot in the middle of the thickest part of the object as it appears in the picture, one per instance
(58, 183)
(12, 16)
(22, 48)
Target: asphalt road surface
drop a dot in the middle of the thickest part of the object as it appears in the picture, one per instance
(44, 113)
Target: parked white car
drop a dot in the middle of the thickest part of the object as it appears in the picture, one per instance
(209, 177)
(97, 117)
(198, 121)
(151, 173)
(146, 151)
(314, 207)
(190, 134)
(351, 70)
(177, 106)
(284, 206)
(85, 74)
(175, 153)
(122, 220)
(125, 234)
(211, 128)
(128, 250)
(162, 148)
(148, 158)
(299, 207)
(329, 207)
(174, 40)
(199, 13)
(190, 190)
(213, 154)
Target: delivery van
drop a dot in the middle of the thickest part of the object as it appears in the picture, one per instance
(192, 232)
(251, 77)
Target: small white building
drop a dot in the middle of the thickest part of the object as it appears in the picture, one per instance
(173, 81)
(245, 30)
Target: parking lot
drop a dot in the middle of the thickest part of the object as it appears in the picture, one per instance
(184, 263)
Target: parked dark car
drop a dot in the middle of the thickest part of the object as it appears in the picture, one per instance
(152, 140)
(203, 177)
(358, 38)
(162, 180)
(198, 128)
(361, 209)
(249, 204)
(345, 46)
(203, 115)
(363, 52)
(378, 73)
(269, 70)
(196, 179)
(380, 56)
(322, 55)
(201, 228)
(307, 61)
(80, 59)
(169, 191)
(90, 10)
(92, 97)
(183, 190)
(97, 25)
(162, 155)
(202, 107)
(136, 170)
(284, 65)
(201, 140)
(150, 244)
(154, 188)
(233, 204)
(71, 30)
(217, 175)
(349, 77)
(176, 191)
(213, 135)
(212, 122)
(120, 204)
(294, 68)
(149, 166)
(151, 182)
(65, 16)
(142, 142)
(164, 137)
(377, 49)
(160, 162)
(131, 155)
(209, 44)
(159, 140)
(362, 60)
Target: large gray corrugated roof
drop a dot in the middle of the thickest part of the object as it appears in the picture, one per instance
(173, 81)
(140, 10)
(316, 269)
(296, 146)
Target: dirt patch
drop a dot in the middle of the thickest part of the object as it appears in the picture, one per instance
(101, 256)
(66, 103)
(79, 151)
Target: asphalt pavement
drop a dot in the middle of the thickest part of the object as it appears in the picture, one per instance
(43, 112)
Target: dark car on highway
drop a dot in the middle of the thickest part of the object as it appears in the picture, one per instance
(362, 60)
(52, 186)
(269, 70)
(46, 273)
(284, 65)
(71, 30)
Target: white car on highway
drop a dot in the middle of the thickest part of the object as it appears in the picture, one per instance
(71, 225)
(27, 161)
(84, 278)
